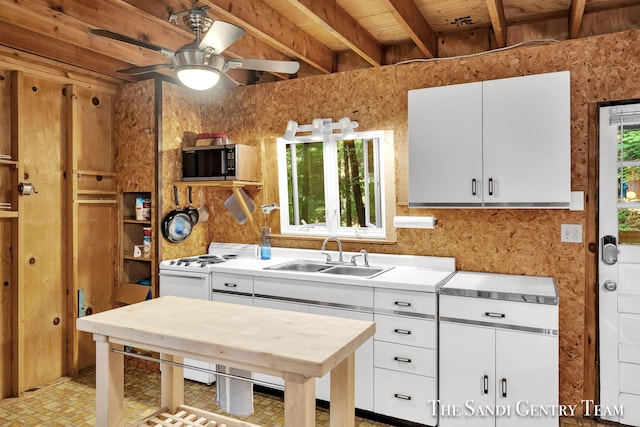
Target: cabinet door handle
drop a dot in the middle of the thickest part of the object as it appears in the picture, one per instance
(402, 331)
(485, 384)
(401, 396)
(491, 186)
(503, 387)
(231, 285)
(495, 315)
(402, 359)
(474, 187)
(402, 304)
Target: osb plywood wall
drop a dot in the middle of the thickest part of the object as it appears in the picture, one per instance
(502, 241)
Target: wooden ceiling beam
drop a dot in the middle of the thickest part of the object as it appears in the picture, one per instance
(265, 24)
(342, 26)
(576, 13)
(19, 38)
(36, 17)
(498, 21)
(416, 26)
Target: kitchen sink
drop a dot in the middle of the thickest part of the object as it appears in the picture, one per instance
(354, 270)
(300, 265)
(307, 266)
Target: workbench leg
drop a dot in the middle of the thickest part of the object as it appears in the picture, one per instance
(171, 383)
(342, 411)
(299, 401)
(109, 383)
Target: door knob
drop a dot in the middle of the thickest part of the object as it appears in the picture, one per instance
(609, 285)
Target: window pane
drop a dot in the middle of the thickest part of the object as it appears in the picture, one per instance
(356, 181)
(629, 184)
(305, 177)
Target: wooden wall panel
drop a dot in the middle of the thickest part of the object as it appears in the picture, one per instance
(504, 241)
(95, 224)
(43, 239)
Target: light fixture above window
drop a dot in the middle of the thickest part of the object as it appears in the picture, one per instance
(318, 128)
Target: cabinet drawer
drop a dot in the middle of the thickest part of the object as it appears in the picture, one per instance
(315, 293)
(405, 302)
(232, 283)
(404, 330)
(406, 396)
(490, 312)
(405, 358)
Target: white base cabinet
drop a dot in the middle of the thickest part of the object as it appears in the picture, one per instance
(498, 357)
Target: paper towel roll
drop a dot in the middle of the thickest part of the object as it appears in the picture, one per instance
(414, 221)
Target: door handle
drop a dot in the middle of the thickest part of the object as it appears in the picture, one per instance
(485, 384)
(609, 285)
(503, 387)
(609, 250)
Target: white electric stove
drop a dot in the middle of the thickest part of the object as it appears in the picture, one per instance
(191, 277)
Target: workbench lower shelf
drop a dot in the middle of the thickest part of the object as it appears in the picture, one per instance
(190, 416)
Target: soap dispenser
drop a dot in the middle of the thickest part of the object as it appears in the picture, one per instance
(265, 243)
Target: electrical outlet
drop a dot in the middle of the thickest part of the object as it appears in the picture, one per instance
(571, 233)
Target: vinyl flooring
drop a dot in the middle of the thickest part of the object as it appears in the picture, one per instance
(70, 402)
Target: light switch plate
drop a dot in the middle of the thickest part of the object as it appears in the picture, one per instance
(571, 233)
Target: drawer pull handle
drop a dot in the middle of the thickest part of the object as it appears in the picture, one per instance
(485, 384)
(231, 285)
(495, 315)
(401, 396)
(402, 304)
(402, 359)
(503, 386)
(402, 331)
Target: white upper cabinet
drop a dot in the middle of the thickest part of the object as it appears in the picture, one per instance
(500, 143)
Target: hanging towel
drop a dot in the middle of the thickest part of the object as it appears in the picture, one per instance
(234, 396)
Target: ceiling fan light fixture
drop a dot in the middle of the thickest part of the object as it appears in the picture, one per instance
(198, 77)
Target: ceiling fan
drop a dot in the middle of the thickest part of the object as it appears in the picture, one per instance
(199, 64)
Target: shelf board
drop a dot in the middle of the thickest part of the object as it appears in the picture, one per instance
(6, 162)
(132, 220)
(220, 184)
(8, 214)
(132, 258)
(94, 173)
(96, 192)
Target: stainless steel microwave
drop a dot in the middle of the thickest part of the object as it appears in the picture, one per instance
(233, 162)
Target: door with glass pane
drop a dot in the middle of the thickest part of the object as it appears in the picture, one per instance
(619, 263)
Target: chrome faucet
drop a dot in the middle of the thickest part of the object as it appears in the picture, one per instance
(364, 254)
(324, 245)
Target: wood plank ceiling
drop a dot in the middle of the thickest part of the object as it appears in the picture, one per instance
(325, 36)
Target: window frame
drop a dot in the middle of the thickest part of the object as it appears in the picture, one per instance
(332, 191)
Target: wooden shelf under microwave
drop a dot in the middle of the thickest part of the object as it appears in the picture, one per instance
(220, 184)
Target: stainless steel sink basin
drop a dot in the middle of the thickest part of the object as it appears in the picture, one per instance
(308, 266)
(300, 265)
(353, 270)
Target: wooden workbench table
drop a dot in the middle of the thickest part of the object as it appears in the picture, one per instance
(298, 347)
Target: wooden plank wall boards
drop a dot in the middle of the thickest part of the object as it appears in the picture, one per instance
(51, 126)
(511, 241)
(91, 214)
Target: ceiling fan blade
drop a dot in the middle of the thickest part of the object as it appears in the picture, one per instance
(130, 40)
(220, 36)
(287, 67)
(226, 82)
(141, 70)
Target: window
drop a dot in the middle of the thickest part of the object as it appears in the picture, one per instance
(333, 186)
